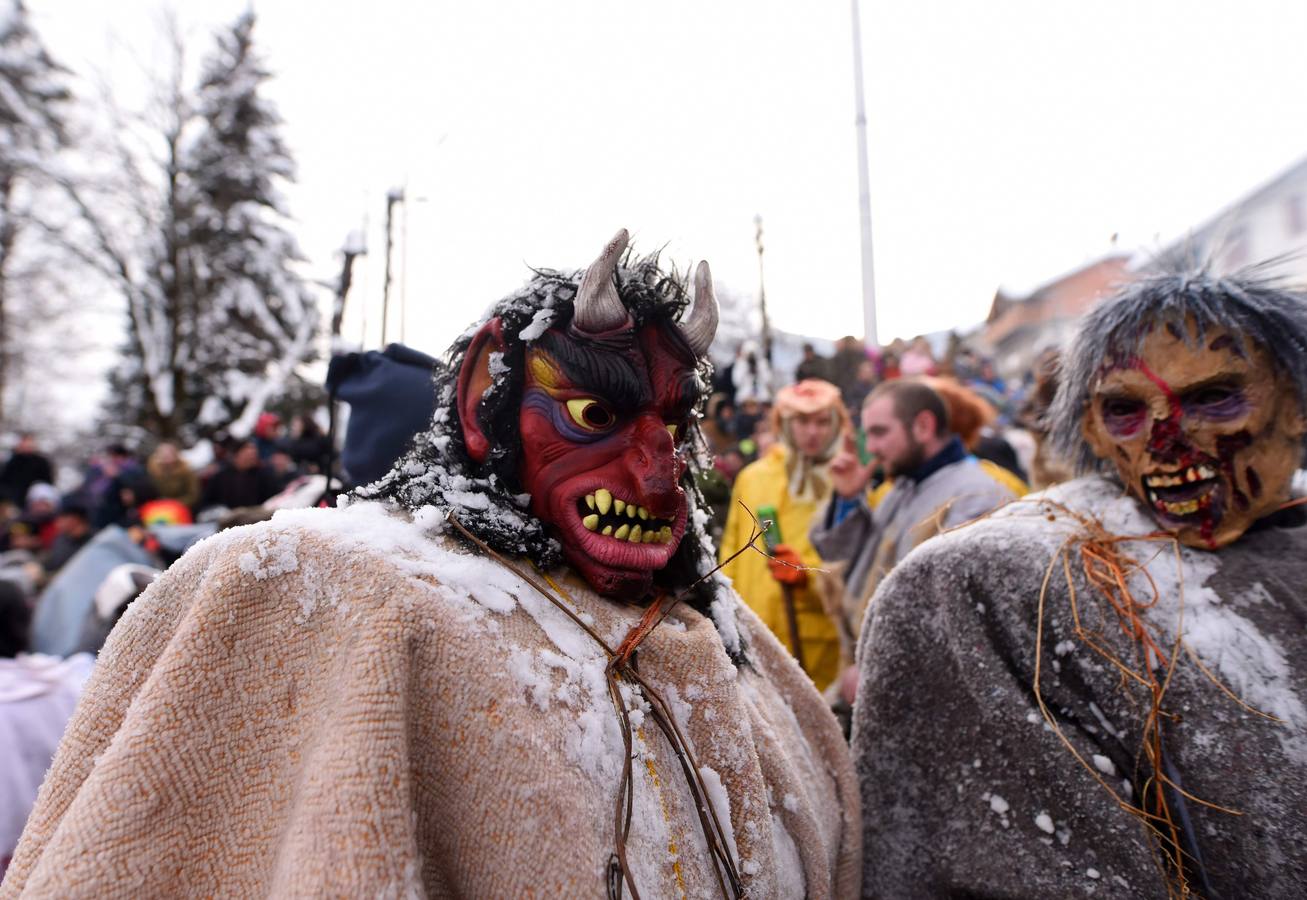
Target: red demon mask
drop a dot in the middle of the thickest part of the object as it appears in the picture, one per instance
(606, 405)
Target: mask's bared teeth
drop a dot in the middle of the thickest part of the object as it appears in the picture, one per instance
(665, 534)
(649, 537)
(590, 501)
(634, 536)
(642, 512)
(591, 522)
(608, 531)
(630, 512)
(622, 532)
(619, 506)
(603, 500)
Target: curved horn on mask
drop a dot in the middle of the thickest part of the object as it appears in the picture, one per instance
(701, 324)
(597, 307)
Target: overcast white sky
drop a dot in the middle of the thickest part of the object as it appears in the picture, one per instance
(1008, 140)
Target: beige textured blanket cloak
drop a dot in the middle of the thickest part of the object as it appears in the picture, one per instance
(332, 704)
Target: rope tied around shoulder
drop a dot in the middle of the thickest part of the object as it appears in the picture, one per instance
(622, 668)
(1107, 567)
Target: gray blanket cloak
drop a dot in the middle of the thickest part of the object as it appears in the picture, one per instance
(969, 791)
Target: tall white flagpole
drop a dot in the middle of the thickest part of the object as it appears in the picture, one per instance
(864, 193)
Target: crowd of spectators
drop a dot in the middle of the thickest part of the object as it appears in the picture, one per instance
(42, 527)
(739, 427)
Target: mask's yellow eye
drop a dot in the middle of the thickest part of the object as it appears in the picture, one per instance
(672, 430)
(589, 414)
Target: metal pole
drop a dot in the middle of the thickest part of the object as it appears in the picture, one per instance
(354, 247)
(395, 195)
(864, 192)
(403, 273)
(762, 295)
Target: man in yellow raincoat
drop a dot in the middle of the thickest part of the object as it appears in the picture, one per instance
(810, 422)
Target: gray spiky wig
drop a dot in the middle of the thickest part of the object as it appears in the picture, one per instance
(1247, 302)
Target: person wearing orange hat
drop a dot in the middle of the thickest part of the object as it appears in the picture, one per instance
(790, 479)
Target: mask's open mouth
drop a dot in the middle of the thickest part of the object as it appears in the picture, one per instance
(1184, 493)
(614, 518)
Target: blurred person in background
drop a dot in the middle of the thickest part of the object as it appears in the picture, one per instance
(751, 375)
(102, 481)
(810, 422)
(919, 359)
(245, 482)
(972, 417)
(268, 432)
(173, 477)
(746, 419)
(843, 366)
(764, 435)
(864, 382)
(813, 365)
(306, 444)
(73, 527)
(282, 468)
(37, 695)
(965, 364)
(25, 467)
(121, 504)
(223, 446)
(718, 426)
(889, 366)
(987, 377)
(1047, 466)
(35, 529)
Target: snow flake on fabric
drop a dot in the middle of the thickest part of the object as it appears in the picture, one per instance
(273, 555)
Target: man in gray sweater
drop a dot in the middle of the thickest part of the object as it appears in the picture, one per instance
(936, 484)
(1100, 690)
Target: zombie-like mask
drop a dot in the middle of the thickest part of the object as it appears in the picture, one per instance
(1202, 427)
(606, 406)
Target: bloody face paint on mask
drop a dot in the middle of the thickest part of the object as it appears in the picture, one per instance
(602, 423)
(1203, 429)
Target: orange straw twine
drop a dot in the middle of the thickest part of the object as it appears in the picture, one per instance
(1108, 570)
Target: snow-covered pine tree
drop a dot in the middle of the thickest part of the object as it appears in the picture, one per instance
(33, 101)
(257, 319)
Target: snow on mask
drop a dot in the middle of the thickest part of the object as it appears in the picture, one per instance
(606, 407)
(1202, 429)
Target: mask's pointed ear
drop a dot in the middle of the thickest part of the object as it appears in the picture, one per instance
(473, 380)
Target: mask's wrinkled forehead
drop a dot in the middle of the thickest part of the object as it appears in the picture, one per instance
(1126, 348)
(615, 370)
(632, 372)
